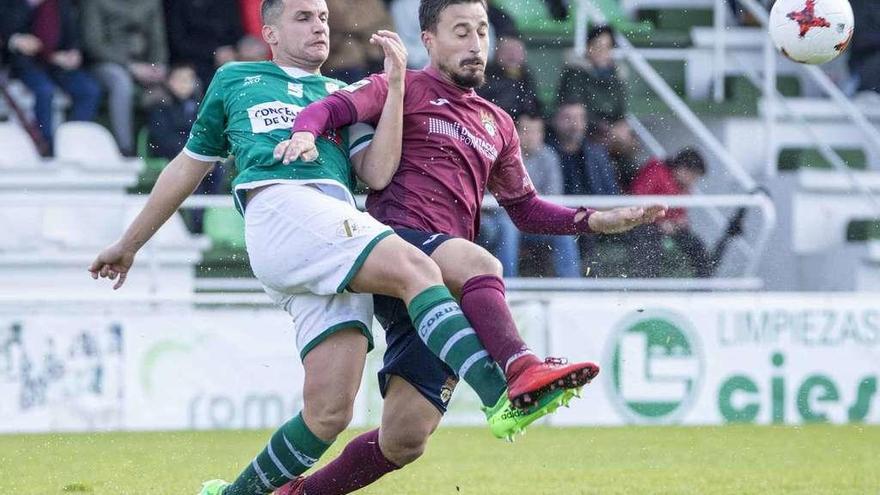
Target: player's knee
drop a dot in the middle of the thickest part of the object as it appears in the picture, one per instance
(419, 269)
(405, 448)
(329, 419)
(485, 263)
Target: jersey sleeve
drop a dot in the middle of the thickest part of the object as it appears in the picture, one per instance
(508, 179)
(207, 139)
(360, 136)
(367, 96)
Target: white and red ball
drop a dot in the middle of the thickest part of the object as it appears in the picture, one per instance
(811, 31)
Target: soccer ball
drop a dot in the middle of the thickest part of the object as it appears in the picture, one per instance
(811, 31)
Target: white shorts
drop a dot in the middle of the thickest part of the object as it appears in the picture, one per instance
(305, 246)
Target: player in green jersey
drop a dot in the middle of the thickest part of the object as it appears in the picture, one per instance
(316, 255)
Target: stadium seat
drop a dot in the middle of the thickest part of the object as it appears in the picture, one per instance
(13, 137)
(89, 144)
(225, 228)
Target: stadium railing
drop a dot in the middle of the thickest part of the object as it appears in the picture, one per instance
(748, 278)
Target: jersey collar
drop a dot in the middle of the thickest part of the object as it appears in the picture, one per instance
(296, 72)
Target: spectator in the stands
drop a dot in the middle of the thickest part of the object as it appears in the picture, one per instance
(586, 167)
(251, 49)
(171, 120)
(203, 33)
(125, 40)
(251, 20)
(597, 83)
(43, 51)
(352, 56)
(864, 58)
(8, 22)
(509, 82)
(545, 170)
(675, 176)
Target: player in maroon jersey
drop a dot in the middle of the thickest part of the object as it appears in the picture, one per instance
(456, 146)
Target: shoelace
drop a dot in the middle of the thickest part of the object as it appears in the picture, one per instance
(556, 361)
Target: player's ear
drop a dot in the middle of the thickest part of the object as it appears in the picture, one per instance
(428, 40)
(269, 34)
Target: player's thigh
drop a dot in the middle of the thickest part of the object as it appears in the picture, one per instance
(396, 268)
(408, 420)
(461, 260)
(300, 239)
(333, 336)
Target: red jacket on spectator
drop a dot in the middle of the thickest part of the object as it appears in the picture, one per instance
(250, 18)
(656, 178)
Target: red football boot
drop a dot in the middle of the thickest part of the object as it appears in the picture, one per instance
(294, 487)
(534, 381)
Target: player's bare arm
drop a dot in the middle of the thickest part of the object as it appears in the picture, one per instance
(376, 165)
(176, 182)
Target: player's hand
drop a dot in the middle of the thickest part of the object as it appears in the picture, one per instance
(395, 55)
(300, 146)
(621, 220)
(113, 263)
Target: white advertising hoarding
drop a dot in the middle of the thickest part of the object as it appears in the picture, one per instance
(666, 359)
(715, 359)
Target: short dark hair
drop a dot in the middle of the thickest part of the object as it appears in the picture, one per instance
(690, 159)
(599, 31)
(429, 11)
(529, 114)
(270, 10)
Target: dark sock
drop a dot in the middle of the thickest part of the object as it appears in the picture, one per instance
(292, 449)
(361, 463)
(485, 306)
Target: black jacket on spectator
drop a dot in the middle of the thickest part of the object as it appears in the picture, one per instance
(515, 96)
(602, 92)
(196, 28)
(866, 38)
(502, 23)
(864, 59)
(589, 171)
(18, 17)
(170, 124)
(9, 20)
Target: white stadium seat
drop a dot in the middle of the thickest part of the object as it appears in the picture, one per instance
(18, 149)
(89, 144)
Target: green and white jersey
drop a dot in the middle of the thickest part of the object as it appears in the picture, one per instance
(250, 107)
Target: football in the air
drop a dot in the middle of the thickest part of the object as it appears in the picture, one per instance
(811, 31)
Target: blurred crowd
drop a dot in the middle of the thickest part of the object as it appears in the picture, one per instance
(141, 66)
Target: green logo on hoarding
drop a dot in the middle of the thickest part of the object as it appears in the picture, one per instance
(656, 366)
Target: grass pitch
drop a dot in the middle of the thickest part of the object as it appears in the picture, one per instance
(571, 461)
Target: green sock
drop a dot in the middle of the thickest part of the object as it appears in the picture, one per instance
(292, 450)
(443, 327)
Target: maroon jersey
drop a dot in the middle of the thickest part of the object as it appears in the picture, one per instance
(455, 145)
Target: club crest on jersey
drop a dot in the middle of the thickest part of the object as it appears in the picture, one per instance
(488, 122)
(295, 89)
(349, 228)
